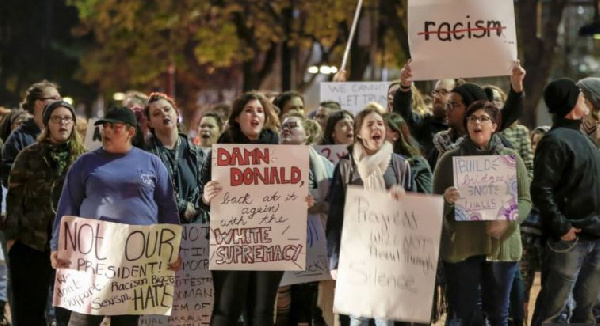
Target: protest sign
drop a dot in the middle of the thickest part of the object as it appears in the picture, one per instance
(332, 152)
(93, 135)
(193, 298)
(258, 220)
(354, 96)
(317, 260)
(116, 269)
(389, 255)
(488, 188)
(473, 38)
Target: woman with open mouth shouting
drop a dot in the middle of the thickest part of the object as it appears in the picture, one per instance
(373, 165)
(487, 252)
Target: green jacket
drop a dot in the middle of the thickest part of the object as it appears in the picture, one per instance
(461, 240)
(34, 188)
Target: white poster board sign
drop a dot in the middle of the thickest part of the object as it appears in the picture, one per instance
(116, 269)
(332, 152)
(354, 96)
(473, 38)
(389, 255)
(317, 261)
(93, 136)
(488, 188)
(258, 220)
(193, 299)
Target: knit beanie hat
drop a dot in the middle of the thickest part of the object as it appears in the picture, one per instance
(591, 90)
(55, 105)
(470, 93)
(561, 96)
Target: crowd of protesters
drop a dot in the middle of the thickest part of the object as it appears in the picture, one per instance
(486, 268)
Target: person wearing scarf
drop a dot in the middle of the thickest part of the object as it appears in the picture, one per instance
(181, 157)
(252, 121)
(34, 188)
(373, 165)
(480, 257)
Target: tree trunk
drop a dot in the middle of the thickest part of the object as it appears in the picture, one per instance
(538, 52)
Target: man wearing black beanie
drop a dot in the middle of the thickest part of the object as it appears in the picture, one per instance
(566, 190)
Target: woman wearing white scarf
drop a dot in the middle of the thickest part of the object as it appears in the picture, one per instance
(373, 165)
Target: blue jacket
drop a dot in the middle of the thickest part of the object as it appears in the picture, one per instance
(25, 135)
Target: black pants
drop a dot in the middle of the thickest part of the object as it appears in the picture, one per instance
(78, 319)
(244, 291)
(31, 276)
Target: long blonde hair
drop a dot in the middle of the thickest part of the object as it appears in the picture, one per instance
(74, 143)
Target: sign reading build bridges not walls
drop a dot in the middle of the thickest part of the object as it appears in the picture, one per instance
(461, 39)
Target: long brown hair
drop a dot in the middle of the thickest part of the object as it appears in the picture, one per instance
(271, 118)
(35, 92)
(75, 143)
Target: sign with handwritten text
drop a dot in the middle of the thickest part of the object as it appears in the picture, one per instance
(389, 255)
(193, 298)
(93, 135)
(474, 39)
(487, 186)
(258, 220)
(354, 96)
(116, 268)
(332, 152)
(317, 260)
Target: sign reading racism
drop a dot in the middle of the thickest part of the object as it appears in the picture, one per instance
(487, 186)
(193, 296)
(389, 254)
(476, 38)
(258, 221)
(354, 96)
(332, 152)
(116, 268)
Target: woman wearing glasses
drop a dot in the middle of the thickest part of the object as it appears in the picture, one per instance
(34, 189)
(480, 257)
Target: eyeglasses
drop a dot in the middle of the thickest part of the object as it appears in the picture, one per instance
(483, 119)
(441, 92)
(57, 119)
(55, 98)
(291, 125)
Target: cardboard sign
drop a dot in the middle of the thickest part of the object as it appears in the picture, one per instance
(93, 136)
(488, 188)
(473, 38)
(193, 299)
(116, 269)
(258, 221)
(354, 96)
(317, 260)
(389, 255)
(332, 152)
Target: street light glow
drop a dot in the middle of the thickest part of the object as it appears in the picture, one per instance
(313, 69)
(68, 100)
(119, 96)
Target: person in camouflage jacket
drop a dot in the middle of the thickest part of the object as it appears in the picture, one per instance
(34, 189)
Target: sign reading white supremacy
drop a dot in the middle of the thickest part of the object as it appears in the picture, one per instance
(317, 260)
(389, 255)
(193, 298)
(116, 268)
(487, 186)
(332, 152)
(258, 220)
(355, 96)
(470, 38)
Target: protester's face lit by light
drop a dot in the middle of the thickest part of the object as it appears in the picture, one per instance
(295, 103)
(480, 127)
(390, 134)
(60, 125)
(372, 133)
(455, 111)
(209, 131)
(116, 137)
(441, 94)
(343, 132)
(251, 119)
(321, 116)
(292, 132)
(390, 99)
(163, 116)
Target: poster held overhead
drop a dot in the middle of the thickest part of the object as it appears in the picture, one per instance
(470, 38)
